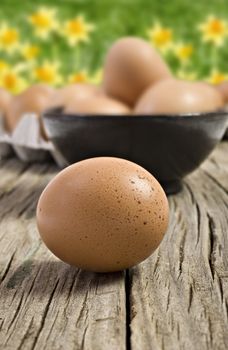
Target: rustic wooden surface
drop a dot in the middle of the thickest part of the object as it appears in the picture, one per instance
(176, 299)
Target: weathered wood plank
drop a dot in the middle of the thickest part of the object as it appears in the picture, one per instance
(44, 303)
(179, 296)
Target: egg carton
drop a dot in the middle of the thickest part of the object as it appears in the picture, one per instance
(26, 142)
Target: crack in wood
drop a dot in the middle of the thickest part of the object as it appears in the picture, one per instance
(82, 347)
(198, 214)
(74, 280)
(190, 297)
(43, 319)
(1, 323)
(212, 236)
(198, 223)
(128, 283)
(104, 319)
(8, 267)
(16, 311)
(26, 336)
(53, 324)
(83, 310)
(216, 181)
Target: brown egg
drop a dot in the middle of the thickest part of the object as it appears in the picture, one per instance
(131, 66)
(5, 99)
(96, 105)
(223, 90)
(103, 214)
(177, 96)
(67, 94)
(33, 100)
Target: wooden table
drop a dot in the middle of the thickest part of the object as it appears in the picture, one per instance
(176, 299)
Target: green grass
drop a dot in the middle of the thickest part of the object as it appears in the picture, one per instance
(116, 18)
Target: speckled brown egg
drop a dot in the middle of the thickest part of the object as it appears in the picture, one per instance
(223, 90)
(179, 97)
(35, 99)
(103, 214)
(65, 95)
(131, 66)
(94, 105)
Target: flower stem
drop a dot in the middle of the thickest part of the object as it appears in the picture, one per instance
(77, 58)
(214, 56)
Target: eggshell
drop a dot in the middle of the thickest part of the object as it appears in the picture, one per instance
(103, 214)
(96, 105)
(223, 90)
(65, 95)
(5, 99)
(33, 100)
(177, 96)
(131, 66)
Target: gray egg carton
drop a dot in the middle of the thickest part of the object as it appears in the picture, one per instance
(26, 142)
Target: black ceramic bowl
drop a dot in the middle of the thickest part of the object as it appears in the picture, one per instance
(169, 147)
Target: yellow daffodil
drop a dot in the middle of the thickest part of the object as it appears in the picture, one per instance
(84, 77)
(79, 77)
(3, 66)
(29, 51)
(214, 30)
(217, 77)
(182, 74)
(9, 38)
(48, 73)
(160, 37)
(44, 21)
(12, 80)
(183, 51)
(77, 30)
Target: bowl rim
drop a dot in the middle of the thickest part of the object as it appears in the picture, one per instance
(58, 112)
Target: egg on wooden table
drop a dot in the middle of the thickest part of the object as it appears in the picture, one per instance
(130, 67)
(103, 214)
(178, 97)
(63, 96)
(35, 99)
(96, 105)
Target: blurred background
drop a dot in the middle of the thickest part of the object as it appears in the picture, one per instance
(60, 42)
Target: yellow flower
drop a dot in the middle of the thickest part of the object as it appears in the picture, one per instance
(44, 21)
(77, 30)
(160, 37)
(213, 30)
(9, 38)
(11, 80)
(83, 77)
(48, 73)
(29, 51)
(217, 77)
(183, 51)
(3, 66)
(182, 74)
(79, 77)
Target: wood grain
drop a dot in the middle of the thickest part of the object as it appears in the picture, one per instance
(176, 299)
(44, 303)
(179, 296)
